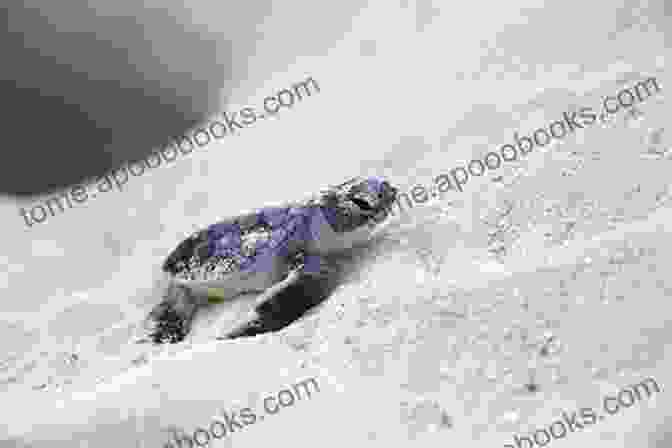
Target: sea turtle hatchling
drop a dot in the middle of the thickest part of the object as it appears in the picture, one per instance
(258, 251)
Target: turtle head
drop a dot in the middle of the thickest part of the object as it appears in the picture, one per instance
(359, 202)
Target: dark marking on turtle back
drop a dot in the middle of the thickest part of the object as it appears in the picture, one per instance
(196, 245)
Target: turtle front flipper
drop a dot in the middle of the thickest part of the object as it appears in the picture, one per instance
(310, 286)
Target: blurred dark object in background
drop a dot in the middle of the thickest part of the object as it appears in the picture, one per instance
(87, 86)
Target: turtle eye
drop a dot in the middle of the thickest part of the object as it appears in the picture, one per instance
(361, 203)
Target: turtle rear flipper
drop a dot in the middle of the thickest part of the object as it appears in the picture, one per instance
(170, 321)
